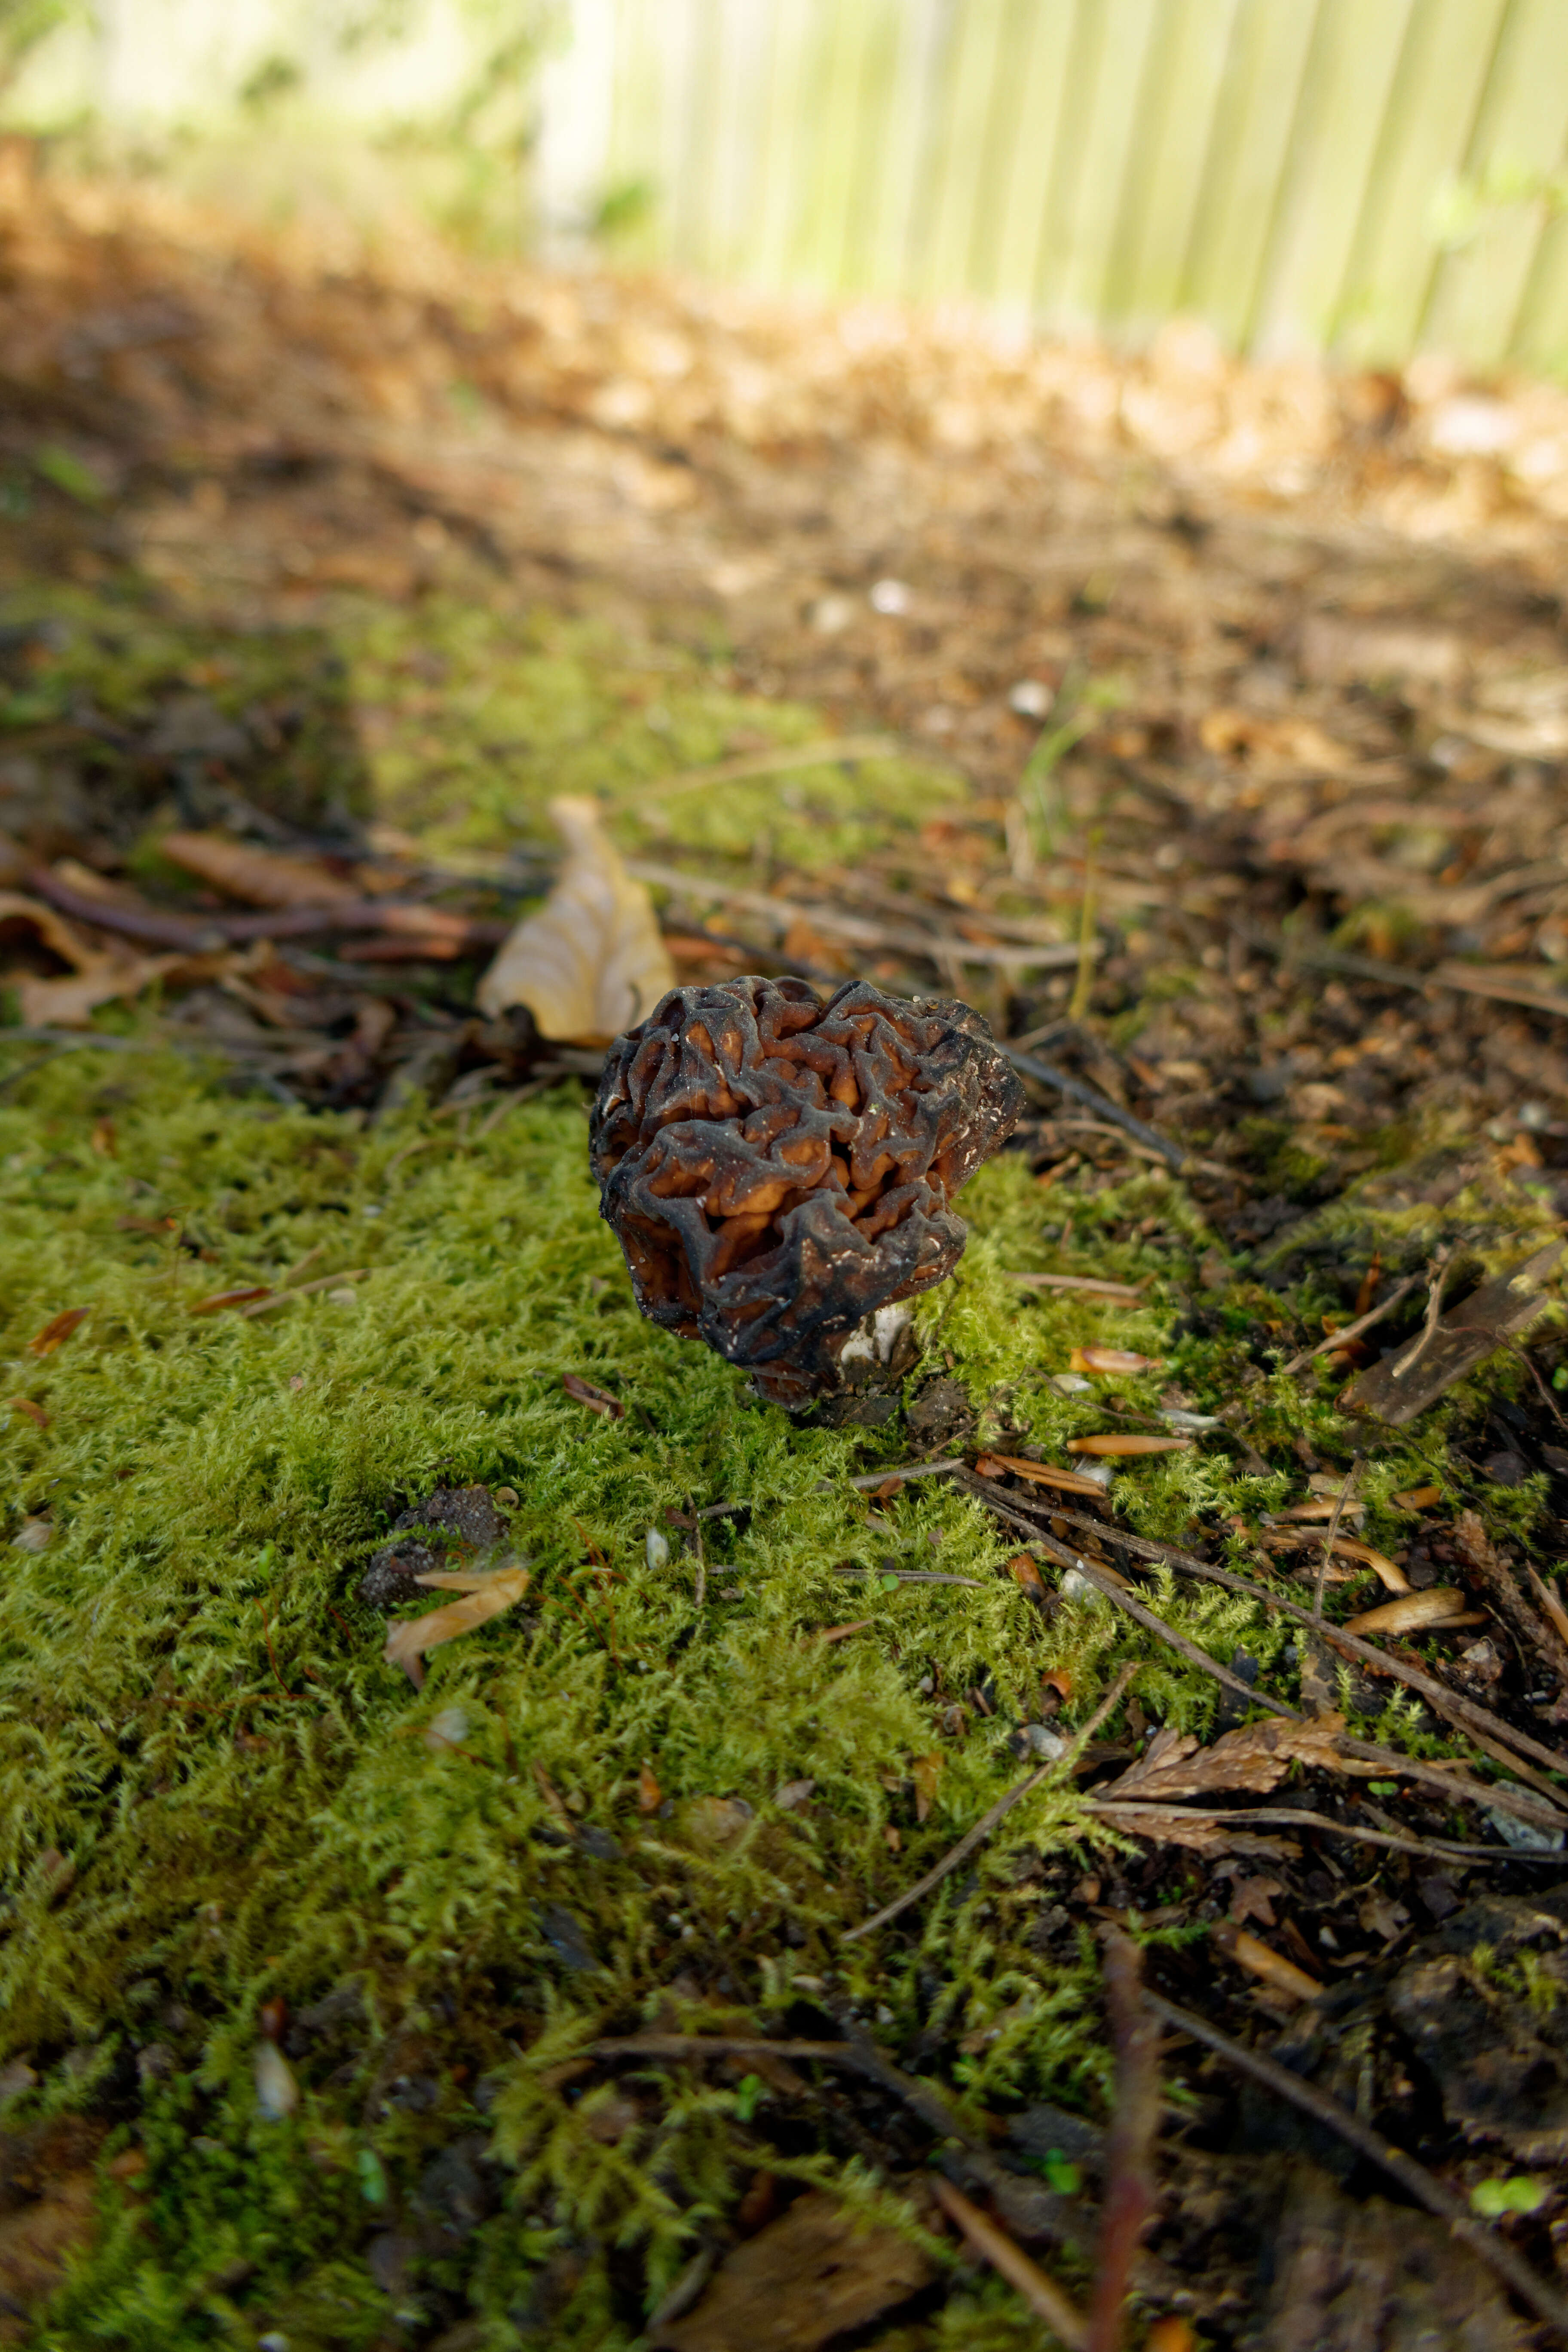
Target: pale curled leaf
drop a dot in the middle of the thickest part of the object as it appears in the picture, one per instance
(590, 962)
(1199, 1832)
(1258, 1756)
(484, 1597)
(1437, 1606)
(1116, 1443)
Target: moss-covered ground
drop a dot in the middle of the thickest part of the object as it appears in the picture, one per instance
(225, 1818)
(217, 1796)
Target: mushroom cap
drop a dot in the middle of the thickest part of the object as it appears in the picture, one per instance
(775, 1167)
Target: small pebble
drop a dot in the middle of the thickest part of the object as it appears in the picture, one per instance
(889, 596)
(276, 2091)
(1031, 697)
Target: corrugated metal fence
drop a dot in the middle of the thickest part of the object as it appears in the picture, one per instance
(1366, 177)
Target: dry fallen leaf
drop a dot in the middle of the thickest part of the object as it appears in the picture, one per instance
(96, 975)
(820, 2273)
(1130, 1444)
(258, 876)
(1417, 1499)
(57, 1330)
(1440, 1604)
(51, 2216)
(1042, 1474)
(1258, 1756)
(925, 1772)
(651, 1796)
(1197, 1831)
(484, 1596)
(590, 962)
(35, 1412)
(1111, 1359)
(596, 1399)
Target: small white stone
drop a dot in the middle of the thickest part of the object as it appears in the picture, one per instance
(831, 615)
(447, 1729)
(1046, 1744)
(1524, 1836)
(889, 596)
(34, 1534)
(1031, 697)
(1076, 1586)
(276, 2091)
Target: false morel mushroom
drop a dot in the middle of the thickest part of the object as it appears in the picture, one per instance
(776, 1169)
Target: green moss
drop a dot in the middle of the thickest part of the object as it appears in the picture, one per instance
(213, 1792)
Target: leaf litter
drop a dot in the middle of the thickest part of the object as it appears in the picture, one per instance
(1312, 955)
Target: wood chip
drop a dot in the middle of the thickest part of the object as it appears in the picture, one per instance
(1403, 1384)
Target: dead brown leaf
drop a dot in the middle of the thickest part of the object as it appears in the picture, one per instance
(925, 1772)
(97, 976)
(1258, 1756)
(258, 877)
(34, 1412)
(818, 2273)
(48, 2213)
(484, 1596)
(58, 1330)
(651, 1796)
(590, 962)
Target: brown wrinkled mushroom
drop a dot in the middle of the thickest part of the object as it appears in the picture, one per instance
(776, 1169)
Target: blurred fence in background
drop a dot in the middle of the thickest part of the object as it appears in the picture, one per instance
(1365, 178)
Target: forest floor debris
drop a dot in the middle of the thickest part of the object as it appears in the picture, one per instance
(677, 1934)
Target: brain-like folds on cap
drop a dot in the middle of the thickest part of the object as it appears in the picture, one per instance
(775, 1167)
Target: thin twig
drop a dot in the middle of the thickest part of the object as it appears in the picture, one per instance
(1128, 2201)
(1503, 1796)
(1168, 1633)
(1478, 1721)
(1414, 2178)
(1059, 1765)
(700, 1590)
(1341, 1500)
(858, 2056)
(875, 1478)
(1438, 1273)
(993, 2244)
(1119, 1816)
(1077, 1091)
(1343, 1338)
